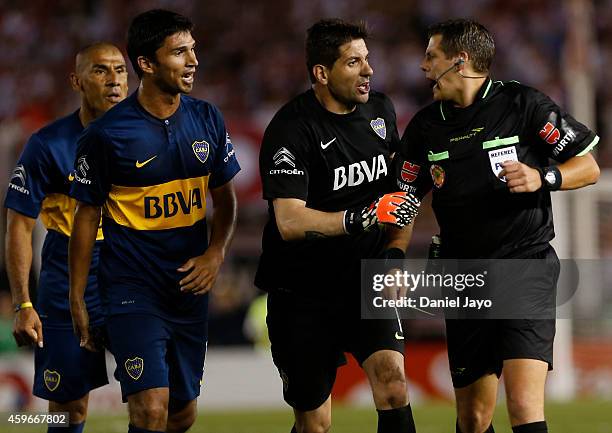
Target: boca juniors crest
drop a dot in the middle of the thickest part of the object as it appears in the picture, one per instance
(52, 379)
(201, 150)
(379, 127)
(134, 367)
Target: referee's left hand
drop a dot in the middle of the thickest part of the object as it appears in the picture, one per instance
(204, 270)
(520, 177)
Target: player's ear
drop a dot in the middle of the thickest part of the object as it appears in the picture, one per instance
(75, 83)
(145, 64)
(320, 73)
(463, 57)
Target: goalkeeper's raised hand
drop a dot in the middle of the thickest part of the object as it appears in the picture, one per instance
(397, 209)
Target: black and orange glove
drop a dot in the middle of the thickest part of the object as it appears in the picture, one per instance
(397, 209)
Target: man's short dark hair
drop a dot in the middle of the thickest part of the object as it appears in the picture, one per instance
(324, 39)
(149, 30)
(469, 36)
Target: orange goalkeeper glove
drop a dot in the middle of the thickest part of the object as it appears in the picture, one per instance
(397, 209)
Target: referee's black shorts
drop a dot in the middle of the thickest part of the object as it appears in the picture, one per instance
(479, 346)
(309, 338)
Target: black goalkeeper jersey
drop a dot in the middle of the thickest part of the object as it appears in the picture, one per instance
(458, 153)
(332, 162)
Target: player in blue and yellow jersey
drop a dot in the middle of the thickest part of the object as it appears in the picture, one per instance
(64, 372)
(147, 166)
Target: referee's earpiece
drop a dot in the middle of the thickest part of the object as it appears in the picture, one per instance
(461, 61)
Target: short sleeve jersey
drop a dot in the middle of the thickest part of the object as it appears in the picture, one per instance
(332, 162)
(151, 177)
(40, 185)
(458, 154)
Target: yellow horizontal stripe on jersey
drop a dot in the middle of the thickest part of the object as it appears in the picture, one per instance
(178, 203)
(57, 214)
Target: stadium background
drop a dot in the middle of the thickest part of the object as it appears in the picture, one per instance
(251, 62)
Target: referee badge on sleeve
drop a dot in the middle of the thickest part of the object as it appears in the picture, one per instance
(379, 127)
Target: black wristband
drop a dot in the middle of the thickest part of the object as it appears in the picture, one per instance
(550, 177)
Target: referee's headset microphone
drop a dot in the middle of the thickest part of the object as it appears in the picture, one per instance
(460, 61)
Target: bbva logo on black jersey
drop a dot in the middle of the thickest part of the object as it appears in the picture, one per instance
(359, 172)
(170, 204)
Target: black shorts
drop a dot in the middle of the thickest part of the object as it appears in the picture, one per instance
(309, 339)
(480, 346)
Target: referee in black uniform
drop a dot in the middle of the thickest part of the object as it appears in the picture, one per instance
(483, 148)
(325, 151)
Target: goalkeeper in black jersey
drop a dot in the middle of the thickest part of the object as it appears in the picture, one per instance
(324, 163)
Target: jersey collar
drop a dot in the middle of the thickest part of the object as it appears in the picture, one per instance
(175, 116)
(448, 110)
(485, 89)
(74, 117)
(348, 116)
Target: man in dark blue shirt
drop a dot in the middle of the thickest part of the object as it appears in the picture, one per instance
(64, 372)
(147, 166)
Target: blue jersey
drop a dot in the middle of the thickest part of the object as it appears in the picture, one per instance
(151, 177)
(40, 185)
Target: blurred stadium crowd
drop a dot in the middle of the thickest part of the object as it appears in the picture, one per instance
(252, 61)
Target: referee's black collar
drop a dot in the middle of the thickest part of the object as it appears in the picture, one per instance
(447, 109)
(484, 90)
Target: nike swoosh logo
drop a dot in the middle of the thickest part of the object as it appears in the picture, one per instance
(70, 177)
(326, 145)
(143, 163)
(399, 336)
